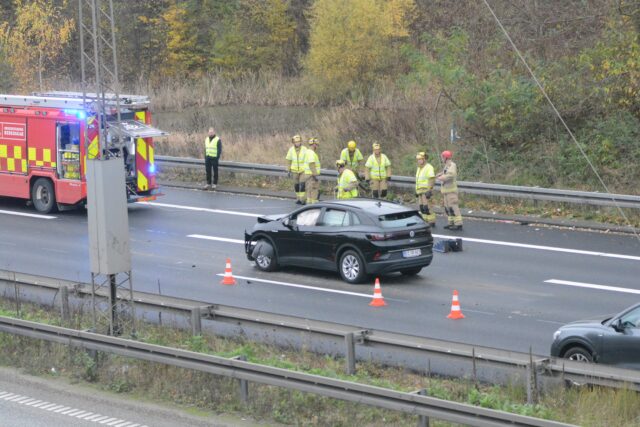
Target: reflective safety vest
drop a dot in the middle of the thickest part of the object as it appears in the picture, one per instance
(351, 162)
(211, 146)
(424, 178)
(297, 158)
(347, 177)
(311, 157)
(378, 170)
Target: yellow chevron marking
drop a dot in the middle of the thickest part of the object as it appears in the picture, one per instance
(141, 145)
(143, 183)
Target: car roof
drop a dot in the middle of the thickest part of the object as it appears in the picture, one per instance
(371, 206)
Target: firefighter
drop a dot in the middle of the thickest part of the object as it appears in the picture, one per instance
(352, 157)
(425, 180)
(449, 190)
(296, 157)
(347, 187)
(213, 152)
(312, 170)
(378, 172)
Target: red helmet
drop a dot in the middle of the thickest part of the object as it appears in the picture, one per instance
(446, 154)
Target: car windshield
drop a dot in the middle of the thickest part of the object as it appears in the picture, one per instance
(400, 219)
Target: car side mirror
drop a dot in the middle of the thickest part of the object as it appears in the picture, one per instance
(617, 325)
(287, 222)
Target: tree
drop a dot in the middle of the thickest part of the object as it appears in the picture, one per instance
(351, 43)
(36, 40)
(260, 39)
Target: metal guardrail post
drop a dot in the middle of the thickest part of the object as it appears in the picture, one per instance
(244, 384)
(423, 421)
(64, 305)
(196, 321)
(350, 353)
(532, 383)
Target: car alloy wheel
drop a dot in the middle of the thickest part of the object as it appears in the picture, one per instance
(263, 261)
(351, 267)
(264, 255)
(578, 354)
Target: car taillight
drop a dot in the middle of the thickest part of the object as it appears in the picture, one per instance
(377, 236)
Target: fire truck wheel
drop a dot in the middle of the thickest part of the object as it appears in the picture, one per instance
(43, 196)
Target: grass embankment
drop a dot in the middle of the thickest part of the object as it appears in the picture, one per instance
(256, 117)
(197, 391)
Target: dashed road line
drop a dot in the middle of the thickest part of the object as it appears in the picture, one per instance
(30, 215)
(66, 410)
(218, 239)
(594, 286)
(313, 288)
(543, 248)
(193, 208)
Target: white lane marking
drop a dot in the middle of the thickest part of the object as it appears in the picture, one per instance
(468, 239)
(30, 215)
(594, 286)
(191, 208)
(219, 239)
(313, 288)
(62, 410)
(543, 248)
(83, 414)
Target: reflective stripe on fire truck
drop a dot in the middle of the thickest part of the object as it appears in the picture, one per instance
(145, 162)
(40, 157)
(93, 143)
(13, 163)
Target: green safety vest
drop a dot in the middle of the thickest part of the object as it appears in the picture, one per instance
(424, 175)
(297, 159)
(378, 170)
(311, 157)
(352, 162)
(211, 146)
(344, 180)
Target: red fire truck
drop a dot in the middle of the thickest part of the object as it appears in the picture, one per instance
(47, 138)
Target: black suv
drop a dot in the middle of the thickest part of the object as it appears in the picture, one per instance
(356, 237)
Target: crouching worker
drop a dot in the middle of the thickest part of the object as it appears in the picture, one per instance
(347, 187)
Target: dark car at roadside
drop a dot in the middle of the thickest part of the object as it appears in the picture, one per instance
(356, 237)
(611, 339)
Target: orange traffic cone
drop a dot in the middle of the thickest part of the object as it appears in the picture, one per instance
(228, 276)
(455, 308)
(377, 300)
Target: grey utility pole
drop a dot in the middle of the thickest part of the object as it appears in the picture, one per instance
(110, 253)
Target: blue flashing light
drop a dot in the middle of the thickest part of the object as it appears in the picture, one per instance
(152, 169)
(78, 113)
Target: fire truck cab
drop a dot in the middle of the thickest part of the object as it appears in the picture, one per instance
(47, 138)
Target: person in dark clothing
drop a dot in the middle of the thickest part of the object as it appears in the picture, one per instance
(213, 152)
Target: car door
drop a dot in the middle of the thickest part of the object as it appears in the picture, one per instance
(622, 347)
(330, 233)
(296, 245)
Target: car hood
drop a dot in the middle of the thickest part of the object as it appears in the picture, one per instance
(597, 321)
(269, 218)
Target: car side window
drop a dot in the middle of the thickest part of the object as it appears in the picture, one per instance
(335, 218)
(632, 319)
(308, 217)
(355, 220)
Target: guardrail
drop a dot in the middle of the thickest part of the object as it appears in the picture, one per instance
(418, 353)
(479, 188)
(410, 403)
